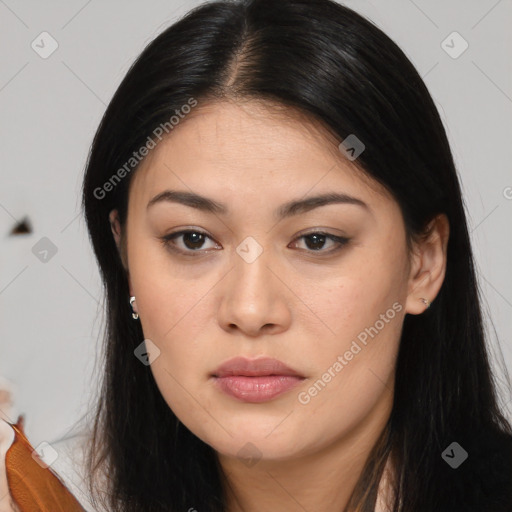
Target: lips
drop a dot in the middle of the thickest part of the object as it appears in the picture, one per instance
(255, 380)
(264, 366)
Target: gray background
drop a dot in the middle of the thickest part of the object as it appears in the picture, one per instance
(50, 313)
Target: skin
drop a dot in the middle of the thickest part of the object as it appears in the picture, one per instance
(298, 302)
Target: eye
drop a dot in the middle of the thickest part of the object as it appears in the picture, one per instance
(192, 241)
(315, 241)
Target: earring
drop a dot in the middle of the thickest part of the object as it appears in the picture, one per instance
(426, 302)
(134, 314)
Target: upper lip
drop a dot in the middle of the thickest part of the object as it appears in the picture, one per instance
(254, 367)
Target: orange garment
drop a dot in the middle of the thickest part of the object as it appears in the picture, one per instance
(34, 487)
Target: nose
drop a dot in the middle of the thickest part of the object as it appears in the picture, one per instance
(255, 298)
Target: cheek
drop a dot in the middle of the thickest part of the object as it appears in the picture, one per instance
(171, 298)
(178, 323)
(352, 366)
(353, 298)
(356, 342)
(175, 314)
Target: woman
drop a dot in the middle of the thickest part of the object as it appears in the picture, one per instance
(293, 321)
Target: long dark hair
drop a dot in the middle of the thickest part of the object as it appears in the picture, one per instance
(321, 59)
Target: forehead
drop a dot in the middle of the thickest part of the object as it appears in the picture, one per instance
(253, 145)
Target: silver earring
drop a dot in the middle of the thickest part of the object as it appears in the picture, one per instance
(134, 315)
(426, 302)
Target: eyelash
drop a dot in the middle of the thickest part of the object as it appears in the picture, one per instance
(168, 242)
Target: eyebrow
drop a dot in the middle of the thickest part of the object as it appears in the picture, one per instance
(295, 207)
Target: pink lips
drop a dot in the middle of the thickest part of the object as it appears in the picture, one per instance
(255, 380)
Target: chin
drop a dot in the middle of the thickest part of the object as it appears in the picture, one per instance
(253, 450)
(254, 442)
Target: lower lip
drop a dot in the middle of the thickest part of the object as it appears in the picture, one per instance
(257, 389)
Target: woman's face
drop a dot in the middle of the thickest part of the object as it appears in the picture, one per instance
(253, 280)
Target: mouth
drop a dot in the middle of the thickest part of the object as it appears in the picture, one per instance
(256, 380)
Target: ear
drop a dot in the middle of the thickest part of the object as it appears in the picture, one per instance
(115, 226)
(428, 266)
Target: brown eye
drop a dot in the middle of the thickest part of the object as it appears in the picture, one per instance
(316, 241)
(191, 241)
